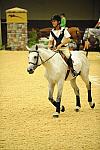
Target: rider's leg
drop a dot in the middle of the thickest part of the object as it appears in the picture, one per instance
(68, 60)
(70, 65)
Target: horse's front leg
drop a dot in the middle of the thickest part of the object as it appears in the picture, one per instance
(51, 99)
(58, 99)
(51, 90)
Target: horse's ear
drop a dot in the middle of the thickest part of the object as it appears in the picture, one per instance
(36, 47)
(28, 48)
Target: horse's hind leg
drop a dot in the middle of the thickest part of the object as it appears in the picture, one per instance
(88, 86)
(76, 91)
(92, 105)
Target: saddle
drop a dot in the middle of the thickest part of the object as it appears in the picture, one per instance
(69, 62)
(65, 58)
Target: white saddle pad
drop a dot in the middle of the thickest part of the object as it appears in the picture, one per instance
(77, 64)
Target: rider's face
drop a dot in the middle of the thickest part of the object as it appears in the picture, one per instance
(54, 23)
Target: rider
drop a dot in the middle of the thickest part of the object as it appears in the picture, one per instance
(58, 41)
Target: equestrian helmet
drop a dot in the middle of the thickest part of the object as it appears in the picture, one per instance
(57, 18)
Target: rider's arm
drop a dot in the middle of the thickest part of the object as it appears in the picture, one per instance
(65, 41)
(51, 41)
(50, 44)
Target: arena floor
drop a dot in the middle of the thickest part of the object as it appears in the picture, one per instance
(26, 121)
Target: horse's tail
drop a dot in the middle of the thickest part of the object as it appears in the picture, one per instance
(86, 50)
(86, 53)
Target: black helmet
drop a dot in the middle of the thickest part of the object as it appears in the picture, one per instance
(56, 17)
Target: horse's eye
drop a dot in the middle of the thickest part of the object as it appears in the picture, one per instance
(35, 57)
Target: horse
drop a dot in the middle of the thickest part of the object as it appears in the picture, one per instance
(75, 33)
(93, 37)
(55, 72)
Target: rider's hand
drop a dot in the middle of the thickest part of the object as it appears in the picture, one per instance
(58, 47)
(54, 49)
(50, 47)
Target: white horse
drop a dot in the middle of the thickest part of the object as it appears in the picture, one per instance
(56, 70)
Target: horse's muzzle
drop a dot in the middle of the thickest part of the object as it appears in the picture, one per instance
(30, 71)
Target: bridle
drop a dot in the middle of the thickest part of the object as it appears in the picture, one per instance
(36, 60)
(38, 56)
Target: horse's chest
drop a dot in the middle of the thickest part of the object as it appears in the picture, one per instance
(53, 75)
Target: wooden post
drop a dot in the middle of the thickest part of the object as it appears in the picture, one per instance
(16, 28)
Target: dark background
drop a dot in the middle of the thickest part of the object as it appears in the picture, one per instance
(43, 9)
(80, 13)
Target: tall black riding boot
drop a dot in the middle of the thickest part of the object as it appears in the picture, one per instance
(70, 65)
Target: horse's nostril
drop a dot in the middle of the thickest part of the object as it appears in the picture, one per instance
(30, 71)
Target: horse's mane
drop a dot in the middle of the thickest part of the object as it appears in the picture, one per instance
(40, 45)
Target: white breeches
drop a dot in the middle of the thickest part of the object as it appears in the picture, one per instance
(66, 51)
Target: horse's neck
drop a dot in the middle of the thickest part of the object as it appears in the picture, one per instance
(46, 54)
(55, 63)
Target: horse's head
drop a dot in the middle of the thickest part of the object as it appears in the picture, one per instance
(75, 33)
(38, 55)
(33, 59)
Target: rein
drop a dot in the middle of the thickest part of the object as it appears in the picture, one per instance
(41, 59)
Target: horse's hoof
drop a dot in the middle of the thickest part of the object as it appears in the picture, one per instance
(55, 114)
(77, 109)
(93, 105)
(62, 108)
